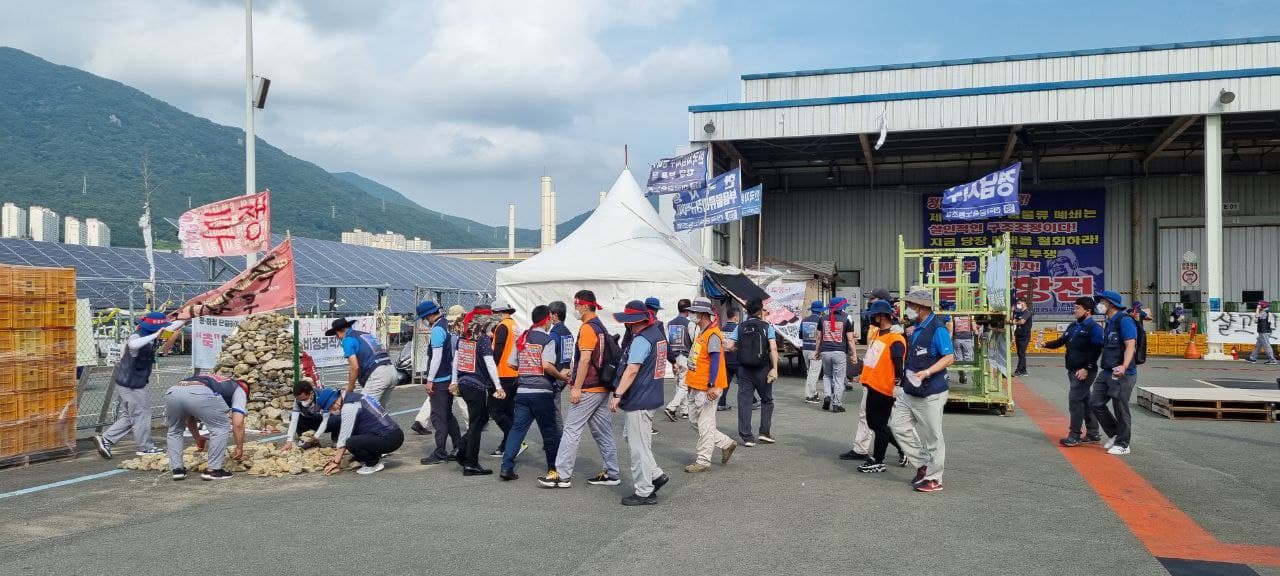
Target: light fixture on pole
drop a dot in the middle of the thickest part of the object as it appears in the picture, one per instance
(1226, 96)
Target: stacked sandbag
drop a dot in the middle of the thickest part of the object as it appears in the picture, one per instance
(260, 352)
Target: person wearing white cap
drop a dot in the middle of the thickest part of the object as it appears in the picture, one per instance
(707, 379)
(916, 420)
(503, 410)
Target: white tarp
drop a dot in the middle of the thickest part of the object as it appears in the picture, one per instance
(208, 332)
(623, 252)
(1238, 328)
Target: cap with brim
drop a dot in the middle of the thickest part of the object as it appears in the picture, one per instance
(502, 306)
(881, 294)
(838, 303)
(635, 311)
(817, 306)
(339, 324)
(701, 306)
(455, 312)
(326, 397)
(153, 322)
(652, 303)
(427, 308)
(1264, 304)
(879, 307)
(920, 297)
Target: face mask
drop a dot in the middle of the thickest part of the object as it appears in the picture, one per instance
(1100, 309)
(912, 314)
(578, 314)
(306, 403)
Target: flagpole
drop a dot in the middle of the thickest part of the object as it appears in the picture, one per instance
(297, 347)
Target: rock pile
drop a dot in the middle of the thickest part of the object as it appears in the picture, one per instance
(260, 352)
(260, 459)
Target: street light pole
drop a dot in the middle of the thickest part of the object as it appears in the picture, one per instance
(250, 168)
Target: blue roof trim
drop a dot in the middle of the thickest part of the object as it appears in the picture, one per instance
(988, 90)
(1016, 57)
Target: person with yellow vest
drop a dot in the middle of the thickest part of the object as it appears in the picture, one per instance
(882, 369)
(503, 410)
(707, 379)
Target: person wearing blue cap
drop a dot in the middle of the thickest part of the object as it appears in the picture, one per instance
(368, 431)
(639, 392)
(836, 348)
(439, 377)
(809, 349)
(131, 375)
(1175, 319)
(206, 399)
(307, 415)
(1118, 374)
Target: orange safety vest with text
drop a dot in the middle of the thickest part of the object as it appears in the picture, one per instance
(877, 366)
(506, 370)
(699, 373)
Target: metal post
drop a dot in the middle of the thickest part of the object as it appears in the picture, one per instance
(1213, 216)
(250, 168)
(297, 351)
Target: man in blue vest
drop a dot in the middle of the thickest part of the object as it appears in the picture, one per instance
(639, 392)
(368, 432)
(836, 348)
(917, 419)
(809, 348)
(206, 398)
(1118, 375)
(1083, 340)
(130, 377)
(439, 377)
(540, 380)
(564, 349)
(679, 340)
(368, 363)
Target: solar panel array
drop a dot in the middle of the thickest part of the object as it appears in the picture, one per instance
(112, 276)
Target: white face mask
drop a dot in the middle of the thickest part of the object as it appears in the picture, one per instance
(306, 403)
(911, 313)
(1101, 308)
(578, 314)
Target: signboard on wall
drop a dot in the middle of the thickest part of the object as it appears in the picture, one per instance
(1237, 328)
(1056, 244)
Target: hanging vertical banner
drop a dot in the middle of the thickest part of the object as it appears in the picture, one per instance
(686, 173)
(1056, 245)
(720, 202)
(752, 200)
(268, 285)
(992, 196)
(232, 227)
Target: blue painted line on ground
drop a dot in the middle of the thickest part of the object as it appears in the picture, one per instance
(109, 473)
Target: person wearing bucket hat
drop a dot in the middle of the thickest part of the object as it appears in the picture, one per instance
(208, 399)
(422, 420)
(836, 348)
(368, 364)
(439, 378)
(707, 379)
(679, 339)
(1117, 375)
(916, 419)
(639, 392)
(503, 410)
(882, 370)
(1262, 319)
(809, 350)
(131, 375)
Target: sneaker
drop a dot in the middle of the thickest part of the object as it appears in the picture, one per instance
(523, 446)
(179, 473)
(837, 409)
(104, 447)
(1092, 439)
(1111, 441)
(218, 474)
(1070, 441)
(853, 455)
(419, 429)
(431, 461)
(508, 475)
(921, 472)
(603, 479)
(826, 403)
(1118, 450)
(765, 439)
(697, 467)
(496, 453)
(811, 399)
(638, 500)
(748, 443)
(871, 467)
(659, 482)
(727, 452)
(151, 450)
(653, 431)
(929, 486)
(902, 460)
(367, 470)
(1271, 363)
(1251, 360)
(553, 480)
(684, 415)
(724, 408)
(671, 414)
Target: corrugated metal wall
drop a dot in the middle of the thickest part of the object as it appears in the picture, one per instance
(858, 227)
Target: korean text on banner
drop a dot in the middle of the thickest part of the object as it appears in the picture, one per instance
(1056, 245)
(327, 350)
(268, 285)
(233, 227)
(752, 200)
(1238, 328)
(686, 173)
(719, 203)
(208, 333)
(991, 196)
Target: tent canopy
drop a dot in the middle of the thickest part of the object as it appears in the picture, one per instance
(622, 252)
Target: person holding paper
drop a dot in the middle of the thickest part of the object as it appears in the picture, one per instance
(916, 420)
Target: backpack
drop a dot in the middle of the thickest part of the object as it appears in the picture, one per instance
(753, 344)
(1140, 344)
(610, 356)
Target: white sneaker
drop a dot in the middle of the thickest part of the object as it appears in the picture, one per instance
(1118, 450)
(1111, 442)
(366, 470)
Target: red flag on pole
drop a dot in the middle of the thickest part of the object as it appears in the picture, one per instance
(268, 285)
(232, 227)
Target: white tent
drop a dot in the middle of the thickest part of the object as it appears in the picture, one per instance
(623, 252)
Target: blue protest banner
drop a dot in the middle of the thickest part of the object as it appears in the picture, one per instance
(751, 200)
(718, 203)
(992, 196)
(686, 173)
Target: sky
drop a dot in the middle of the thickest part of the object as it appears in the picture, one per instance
(464, 105)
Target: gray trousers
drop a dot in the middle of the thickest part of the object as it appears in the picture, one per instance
(204, 405)
(637, 430)
(922, 442)
(1118, 421)
(812, 374)
(591, 412)
(1263, 343)
(834, 366)
(135, 415)
(381, 382)
(1078, 404)
(864, 436)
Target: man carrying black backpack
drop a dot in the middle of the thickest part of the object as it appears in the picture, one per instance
(755, 344)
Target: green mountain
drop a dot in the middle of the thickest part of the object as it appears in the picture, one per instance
(60, 126)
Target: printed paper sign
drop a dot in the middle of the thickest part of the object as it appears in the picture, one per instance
(232, 227)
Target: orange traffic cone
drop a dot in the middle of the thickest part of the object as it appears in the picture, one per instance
(1192, 352)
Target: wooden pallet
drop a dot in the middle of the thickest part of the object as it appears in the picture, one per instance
(1212, 403)
(41, 456)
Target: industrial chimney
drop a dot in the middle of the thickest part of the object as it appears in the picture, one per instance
(548, 220)
(511, 231)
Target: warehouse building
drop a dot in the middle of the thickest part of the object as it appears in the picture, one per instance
(1122, 149)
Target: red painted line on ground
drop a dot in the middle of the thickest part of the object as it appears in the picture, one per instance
(1163, 528)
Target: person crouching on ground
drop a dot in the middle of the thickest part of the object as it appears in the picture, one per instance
(368, 432)
(707, 379)
(539, 382)
(308, 415)
(639, 392)
(882, 368)
(206, 399)
(1083, 340)
(475, 378)
(919, 429)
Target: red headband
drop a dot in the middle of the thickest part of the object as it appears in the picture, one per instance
(589, 303)
(525, 335)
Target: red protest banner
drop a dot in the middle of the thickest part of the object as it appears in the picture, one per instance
(232, 227)
(268, 285)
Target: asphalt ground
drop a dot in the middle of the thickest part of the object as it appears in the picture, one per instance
(1012, 504)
